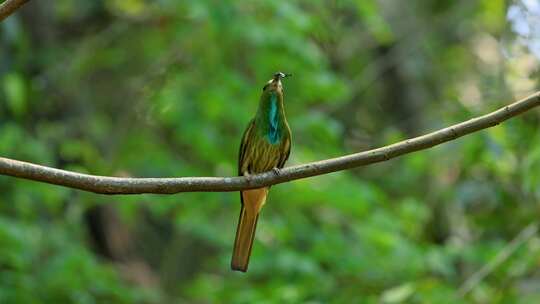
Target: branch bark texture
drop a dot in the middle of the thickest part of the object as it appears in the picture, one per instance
(118, 185)
(8, 7)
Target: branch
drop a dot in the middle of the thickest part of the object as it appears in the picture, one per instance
(117, 185)
(524, 236)
(8, 7)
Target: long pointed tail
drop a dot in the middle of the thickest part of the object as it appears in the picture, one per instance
(245, 234)
(252, 201)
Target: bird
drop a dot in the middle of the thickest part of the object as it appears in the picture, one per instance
(265, 146)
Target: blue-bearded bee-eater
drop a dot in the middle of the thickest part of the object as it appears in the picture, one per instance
(265, 146)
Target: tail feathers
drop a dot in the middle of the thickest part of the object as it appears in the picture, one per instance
(252, 201)
(245, 234)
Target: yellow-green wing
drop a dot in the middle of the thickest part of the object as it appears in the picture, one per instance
(244, 144)
(286, 152)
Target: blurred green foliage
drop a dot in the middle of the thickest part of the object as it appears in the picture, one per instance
(165, 88)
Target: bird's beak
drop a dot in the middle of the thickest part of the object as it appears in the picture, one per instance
(280, 75)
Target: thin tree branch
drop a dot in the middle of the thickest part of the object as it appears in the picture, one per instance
(8, 7)
(525, 235)
(118, 185)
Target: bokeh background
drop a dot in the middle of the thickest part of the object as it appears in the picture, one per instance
(165, 88)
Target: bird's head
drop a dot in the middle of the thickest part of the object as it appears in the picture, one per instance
(280, 75)
(274, 84)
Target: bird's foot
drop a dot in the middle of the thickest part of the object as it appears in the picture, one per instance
(276, 171)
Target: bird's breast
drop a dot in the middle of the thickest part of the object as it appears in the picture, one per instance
(263, 155)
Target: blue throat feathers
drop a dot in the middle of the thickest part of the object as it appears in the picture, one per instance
(273, 132)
